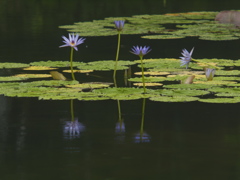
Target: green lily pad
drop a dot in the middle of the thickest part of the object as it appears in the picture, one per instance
(56, 63)
(106, 65)
(174, 99)
(7, 65)
(220, 100)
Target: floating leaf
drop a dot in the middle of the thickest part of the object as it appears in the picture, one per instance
(174, 99)
(106, 65)
(89, 85)
(78, 71)
(12, 78)
(33, 75)
(38, 68)
(220, 100)
(56, 63)
(12, 65)
(152, 73)
(147, 84)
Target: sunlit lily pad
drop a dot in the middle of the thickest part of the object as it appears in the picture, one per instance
(78, 71)
(33, 75)
(38, 68)
(147, 84)
(148, 79)
(152, 73)
(214, 82)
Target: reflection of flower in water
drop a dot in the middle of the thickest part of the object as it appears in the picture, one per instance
(120, 131)
(72, 129)
(120, 127)
(142, 138)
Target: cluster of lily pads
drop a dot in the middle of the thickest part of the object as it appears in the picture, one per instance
(164, 78)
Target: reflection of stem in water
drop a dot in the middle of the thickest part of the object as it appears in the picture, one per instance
(127, 75)
(143, 115)
(164, 3)
(71, 63)
(117, 55)
(119, 111)
(142, 137)
(72, 110)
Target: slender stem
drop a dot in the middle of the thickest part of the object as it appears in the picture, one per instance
(143, 80)
(71, 63)
(72, 110)
(143, 116)
(117, 55)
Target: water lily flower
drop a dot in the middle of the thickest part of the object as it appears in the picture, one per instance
(187, 57)
(209, 73)
(72, 41)
(140, 51)
(119, 25)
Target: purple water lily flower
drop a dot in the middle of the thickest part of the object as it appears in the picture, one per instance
(72, 41)
(119, 25)
(187, 57)
(140, 51)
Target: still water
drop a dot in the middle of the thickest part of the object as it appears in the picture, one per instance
(182, 140)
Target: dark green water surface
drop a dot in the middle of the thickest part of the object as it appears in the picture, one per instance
(186, 141)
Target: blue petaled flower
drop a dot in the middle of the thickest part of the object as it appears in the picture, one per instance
(140, 51)
(119, 25)
(72, 41)
(209, 73)
(187, 57)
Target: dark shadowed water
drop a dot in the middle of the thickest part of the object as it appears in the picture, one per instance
(184, 141)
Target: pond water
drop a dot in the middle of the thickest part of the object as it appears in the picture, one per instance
(182, 140)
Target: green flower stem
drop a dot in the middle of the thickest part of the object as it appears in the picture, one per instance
(71, 63)
(117, 55)
(143, 80)
(72, 110)
(207, 64)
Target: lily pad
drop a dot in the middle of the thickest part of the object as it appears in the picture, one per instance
(174, 99)
(7, 65)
